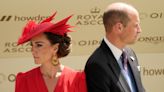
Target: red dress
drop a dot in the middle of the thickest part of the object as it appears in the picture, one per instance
(69, 81)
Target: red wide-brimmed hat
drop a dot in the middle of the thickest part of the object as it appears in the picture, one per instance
(32, 29)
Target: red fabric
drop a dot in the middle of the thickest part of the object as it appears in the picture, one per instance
(69, 81)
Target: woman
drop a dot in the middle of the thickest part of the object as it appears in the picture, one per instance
(49, 42)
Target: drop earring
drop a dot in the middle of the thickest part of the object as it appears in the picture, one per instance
(55, 62)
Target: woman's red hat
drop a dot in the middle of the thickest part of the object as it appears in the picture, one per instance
(32, 29)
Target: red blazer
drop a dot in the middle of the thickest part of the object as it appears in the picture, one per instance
(69, 81)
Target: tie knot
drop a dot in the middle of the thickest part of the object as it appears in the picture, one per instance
(124, 59)
(124, 55)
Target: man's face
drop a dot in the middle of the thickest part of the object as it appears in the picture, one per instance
(131, 31)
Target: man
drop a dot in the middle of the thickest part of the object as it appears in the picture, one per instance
(106, 69)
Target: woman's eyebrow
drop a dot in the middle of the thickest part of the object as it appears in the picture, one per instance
(39, 42)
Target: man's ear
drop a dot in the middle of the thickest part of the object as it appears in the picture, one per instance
(119, 26)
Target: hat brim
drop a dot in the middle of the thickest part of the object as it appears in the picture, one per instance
(36, 30)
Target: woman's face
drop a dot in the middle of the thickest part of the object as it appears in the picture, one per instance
(42, 50)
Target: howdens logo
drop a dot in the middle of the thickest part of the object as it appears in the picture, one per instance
(152, 71)
(27, 18)
(5, 18)
(17, 18)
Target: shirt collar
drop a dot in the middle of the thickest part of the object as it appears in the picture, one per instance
(116, 51)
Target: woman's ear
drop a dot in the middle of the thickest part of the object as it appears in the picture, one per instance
(56, 47)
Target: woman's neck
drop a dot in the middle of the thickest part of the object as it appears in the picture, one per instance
(50, 71)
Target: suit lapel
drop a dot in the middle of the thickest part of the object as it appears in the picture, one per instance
(117, 71)
(123, 83)
(135, 71)
(115, 68)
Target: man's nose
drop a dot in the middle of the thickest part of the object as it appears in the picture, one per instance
(139, 29)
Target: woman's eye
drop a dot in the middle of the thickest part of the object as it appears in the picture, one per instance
(38, 45)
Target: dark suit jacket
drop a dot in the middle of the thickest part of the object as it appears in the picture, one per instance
(103, 73)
